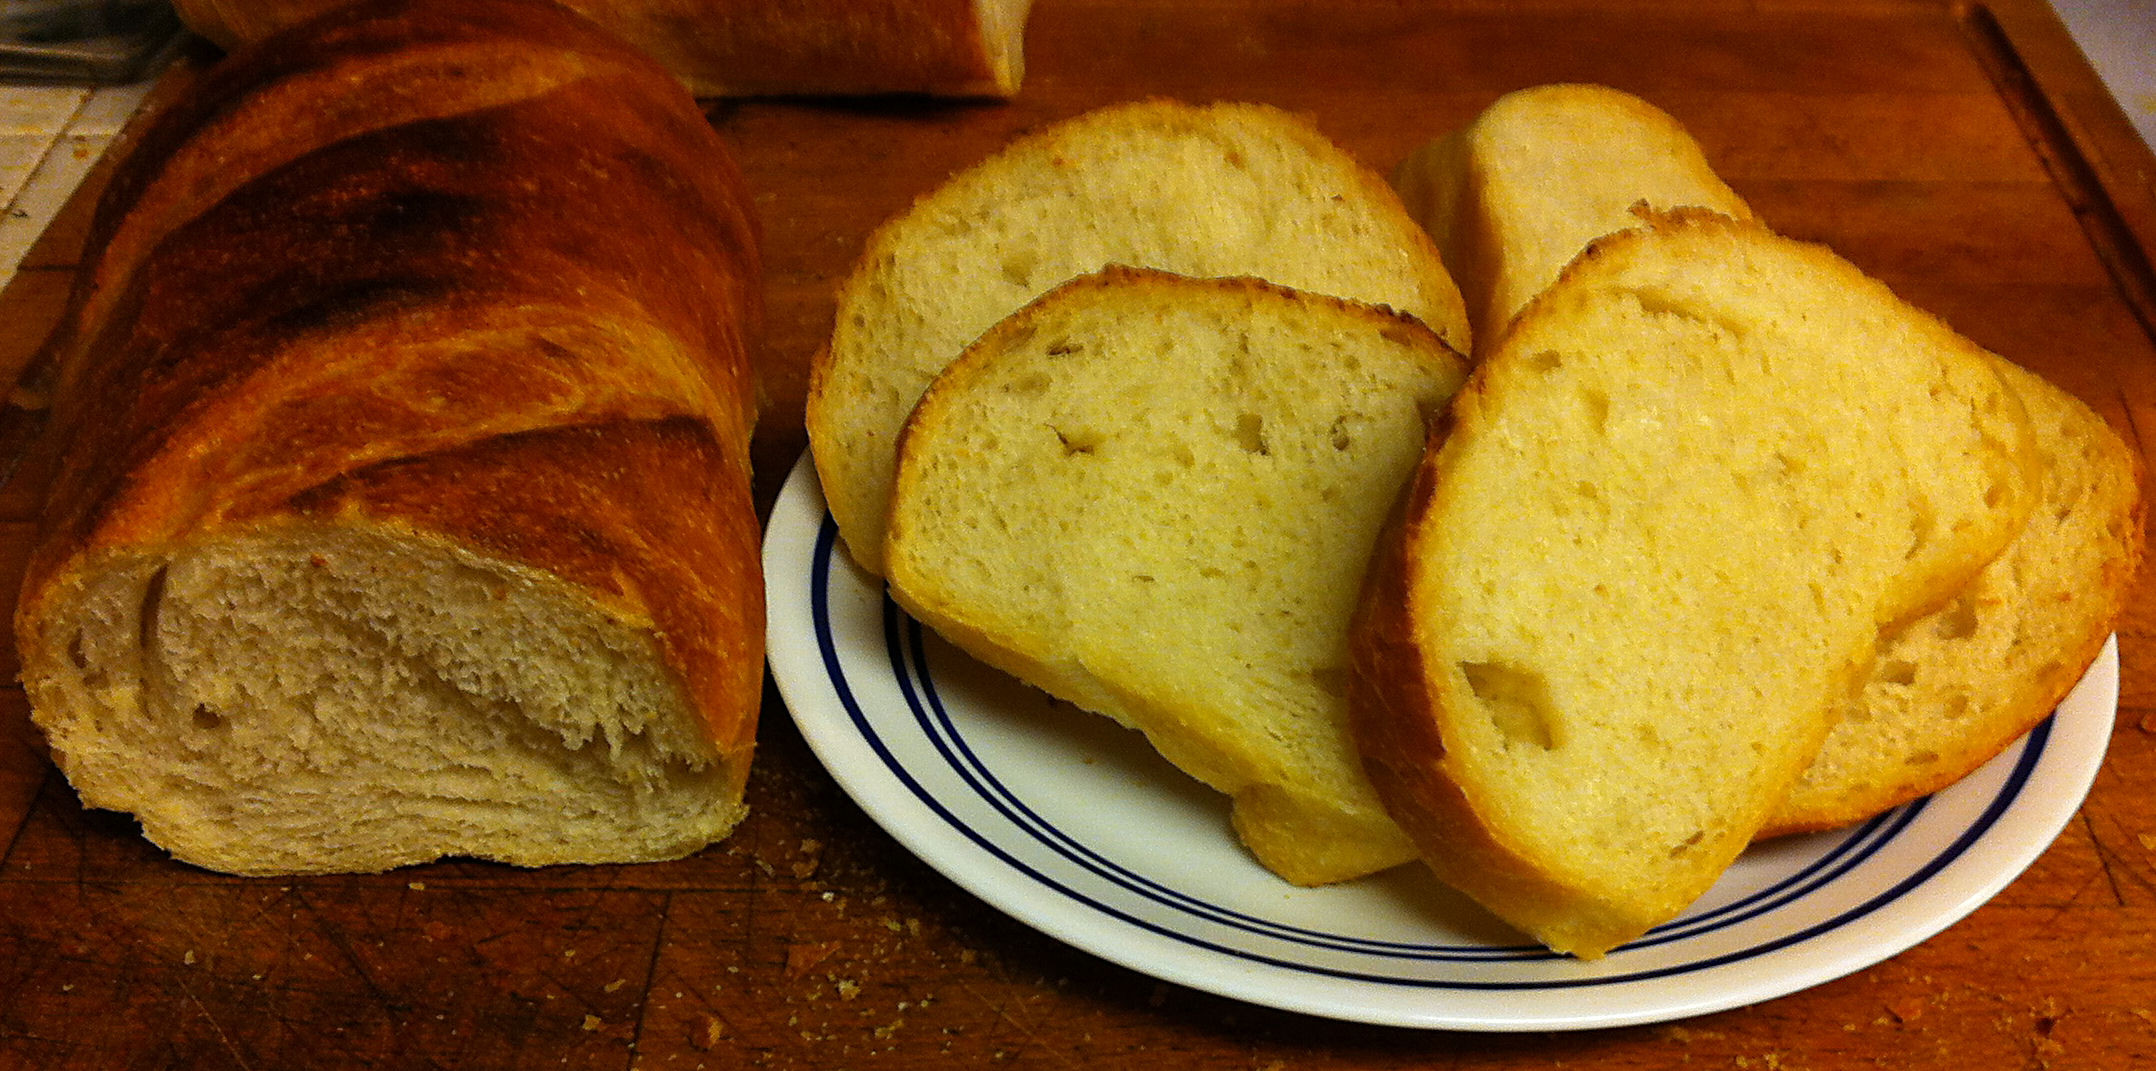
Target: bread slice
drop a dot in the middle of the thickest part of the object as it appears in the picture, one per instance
(1153, 496)
(1652, 554)
(1958, 685)
(1217, 190)
(1512, 197)
(1544, 171)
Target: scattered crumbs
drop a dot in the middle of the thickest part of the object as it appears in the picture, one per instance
(417, 886)
(802, 957)
(615, 985)
(892, 924)
(1677, 1034)
(70, 987)
(884, 1032)
(568, 953)
(1907, 1009)
(189, 958)
(848, 989)
(913, 927)
(708, 1038)
(829, 896)
(811, 857)
(593, 1022)
(968, 956)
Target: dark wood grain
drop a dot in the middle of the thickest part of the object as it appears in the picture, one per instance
(1966, 155)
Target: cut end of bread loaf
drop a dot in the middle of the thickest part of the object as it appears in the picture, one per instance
(304, 699)
(1219, 190)
(1650, 559)
(1153, 496)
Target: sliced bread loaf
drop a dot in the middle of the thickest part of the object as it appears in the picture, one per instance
(1154, 496)
(1220, 190)
(1958, 685)
(1512, 197)
(1652, 554)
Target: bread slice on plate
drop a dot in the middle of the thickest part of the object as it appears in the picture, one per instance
(1512, 197)
(1217, 190)
(1153, 496)
(1956, 686)
(1515, 195)
(1650, 556)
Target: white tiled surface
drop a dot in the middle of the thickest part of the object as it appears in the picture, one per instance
(2119, 38)
(49, 138)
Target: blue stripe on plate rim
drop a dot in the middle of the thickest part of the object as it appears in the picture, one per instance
(905, 646)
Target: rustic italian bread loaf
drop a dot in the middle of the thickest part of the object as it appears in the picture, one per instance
(1153, 496)
(404, 504)
(1218, 190)
(740, 48)
(1958, 685)
(1513, 196)
(1651, 555)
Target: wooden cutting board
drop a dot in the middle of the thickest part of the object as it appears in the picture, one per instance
(1963, 153)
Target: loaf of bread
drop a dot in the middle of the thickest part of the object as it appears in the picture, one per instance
(1653, 551)
(1955, 687)
(1512, 197)
(1217, 190)
(1543, 172)
(404, 507)
(1153, 496)
(746, 48)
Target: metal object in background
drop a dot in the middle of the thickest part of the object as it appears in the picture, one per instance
(83, 41)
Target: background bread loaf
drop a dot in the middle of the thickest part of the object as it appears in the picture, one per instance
(405, 509)
(735, 48)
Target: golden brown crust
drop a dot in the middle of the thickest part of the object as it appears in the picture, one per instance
(642, 514)
(377, 319)
(958, 48)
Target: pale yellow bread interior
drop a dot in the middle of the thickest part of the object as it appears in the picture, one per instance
(1224, 189)
(1651, 557)
(1153, 497)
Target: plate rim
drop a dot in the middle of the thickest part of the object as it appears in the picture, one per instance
(800, 535)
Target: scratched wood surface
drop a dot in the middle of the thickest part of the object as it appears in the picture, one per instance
(1964, 154)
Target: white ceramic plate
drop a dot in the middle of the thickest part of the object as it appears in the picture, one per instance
(1074, 826)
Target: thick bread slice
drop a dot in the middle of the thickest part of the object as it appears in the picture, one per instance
(1958, 685)
(1650, 558)
(1512, 197)
(1219, 190)
(1153, 496)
